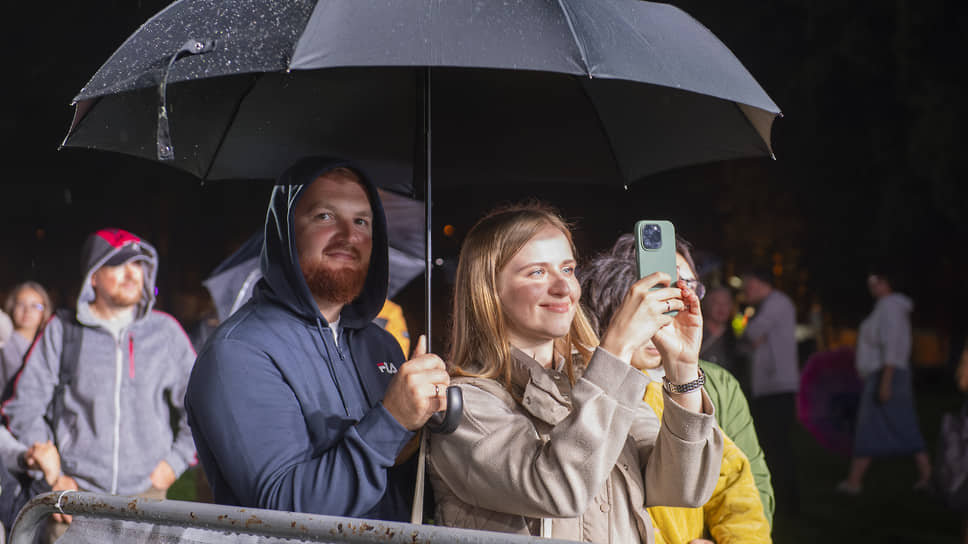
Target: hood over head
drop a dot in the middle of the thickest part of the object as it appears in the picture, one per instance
(280, 259)
(113, 247)
(901, 301)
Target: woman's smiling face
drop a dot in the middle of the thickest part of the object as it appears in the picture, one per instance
(538, 289)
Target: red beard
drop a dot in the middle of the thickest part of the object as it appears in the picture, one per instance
(339, 284)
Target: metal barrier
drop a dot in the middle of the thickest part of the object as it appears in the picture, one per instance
(226, 522)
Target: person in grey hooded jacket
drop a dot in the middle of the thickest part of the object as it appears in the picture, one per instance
(299, 401)
(110, 415)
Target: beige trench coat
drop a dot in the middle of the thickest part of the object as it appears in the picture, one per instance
(591, 457)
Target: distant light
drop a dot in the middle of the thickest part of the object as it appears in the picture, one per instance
(735, 282)
(40, 234)
(439, 262)
(449, 230)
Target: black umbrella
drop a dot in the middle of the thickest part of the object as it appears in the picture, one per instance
(523, 90)
(587, 91)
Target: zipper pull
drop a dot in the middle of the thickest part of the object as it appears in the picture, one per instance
(338, 349)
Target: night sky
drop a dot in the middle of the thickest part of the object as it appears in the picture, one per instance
(870, 162)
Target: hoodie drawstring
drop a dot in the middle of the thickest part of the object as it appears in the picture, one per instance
(329, 365)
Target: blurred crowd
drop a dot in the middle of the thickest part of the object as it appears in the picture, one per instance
(694, 385)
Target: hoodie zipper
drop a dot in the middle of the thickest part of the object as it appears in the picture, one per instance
(329, 363)
(339, 351)
(119, 366)
(355, 372)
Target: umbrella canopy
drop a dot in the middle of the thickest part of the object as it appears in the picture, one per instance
(231, 283)
(583, 91)
(522, 91)
(828, 398)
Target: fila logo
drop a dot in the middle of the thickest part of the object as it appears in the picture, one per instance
(387, 368)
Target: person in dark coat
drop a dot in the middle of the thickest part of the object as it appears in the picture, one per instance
(299, 401)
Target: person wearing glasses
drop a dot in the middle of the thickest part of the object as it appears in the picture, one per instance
(741, 508)
(555, 439)
(29, 307)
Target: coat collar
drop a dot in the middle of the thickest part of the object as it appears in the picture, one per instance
(545, 393)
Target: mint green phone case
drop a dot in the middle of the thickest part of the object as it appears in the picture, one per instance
(655, 249)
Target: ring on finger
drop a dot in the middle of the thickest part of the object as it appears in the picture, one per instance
(436, 390)
(668, 306)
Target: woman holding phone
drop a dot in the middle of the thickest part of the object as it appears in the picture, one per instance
(741, 507)
(555, 439)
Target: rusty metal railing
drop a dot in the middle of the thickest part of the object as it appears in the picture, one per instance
(226, 524)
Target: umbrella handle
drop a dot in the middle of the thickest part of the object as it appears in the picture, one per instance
(447, 421)
(162, 132)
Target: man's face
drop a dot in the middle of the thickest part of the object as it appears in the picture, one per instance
(754, 289)
(877, 286)
(119, 286)
(334, 236)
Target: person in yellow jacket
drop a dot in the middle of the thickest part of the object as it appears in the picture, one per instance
(733, 514)
(740, 508)
(391, 319)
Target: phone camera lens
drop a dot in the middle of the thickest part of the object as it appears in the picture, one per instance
(651, 236)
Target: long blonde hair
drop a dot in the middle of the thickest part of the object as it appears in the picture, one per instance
(479, 342)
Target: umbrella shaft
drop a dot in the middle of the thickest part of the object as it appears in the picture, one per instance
(423, 166)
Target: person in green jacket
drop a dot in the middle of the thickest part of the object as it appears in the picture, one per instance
(604, 283)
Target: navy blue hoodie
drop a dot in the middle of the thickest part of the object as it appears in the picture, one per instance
(283, 416)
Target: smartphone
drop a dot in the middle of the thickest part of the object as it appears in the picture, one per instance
(655, 249)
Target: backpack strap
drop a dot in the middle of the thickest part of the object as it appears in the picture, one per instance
(70, 356)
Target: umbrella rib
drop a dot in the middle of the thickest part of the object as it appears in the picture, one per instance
(118, 85)
(763, 138)
(228, 126)
(608, 139)
(574, 35)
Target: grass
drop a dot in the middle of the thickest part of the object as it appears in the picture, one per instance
(888, 510)
(184, 487)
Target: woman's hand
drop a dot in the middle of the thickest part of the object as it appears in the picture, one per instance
(679, 343)
(641, 314)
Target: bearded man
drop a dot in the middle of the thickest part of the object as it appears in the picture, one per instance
(299, 401)
(103, 380)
